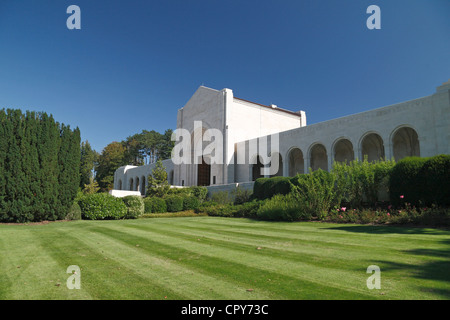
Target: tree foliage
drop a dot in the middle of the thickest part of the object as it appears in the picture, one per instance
(139, 149)
(39, 166)
(148, 147)
(157, 181)
(89, 158)
(111, 158)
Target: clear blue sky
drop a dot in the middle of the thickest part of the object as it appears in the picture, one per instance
(135, 63)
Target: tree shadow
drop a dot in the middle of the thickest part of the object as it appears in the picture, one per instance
(390, 229)
(437, 266)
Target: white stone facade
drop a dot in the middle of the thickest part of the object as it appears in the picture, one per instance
(419, 127)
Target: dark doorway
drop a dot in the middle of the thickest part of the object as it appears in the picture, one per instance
(204, 174)
(256, 169)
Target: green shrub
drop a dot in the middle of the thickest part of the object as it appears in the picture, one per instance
(277, 185)
(204, 205)
(190, 202)
(154, 205)
(135, 206)
(220, 210)
(315, 192)
(248, 209)
(174, 203)
(100, 206)
(179, 191)
(245, 210)
(258, 188)
(282, 208)
(435, 174)
(266, 188)
(406, 182)
(361, 181)
(199, 192)
(74, 212)
(222, 197)
(148, 205)
(241, 195)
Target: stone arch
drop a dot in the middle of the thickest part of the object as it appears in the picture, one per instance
(372, 147)
(296, 162)
(318, 157)
(405, 143)
(143, 185)
(343, 150)
(256, 167)
(120, 184)
(170, 177)
(279, 170)
(131, 185)
(138, 186)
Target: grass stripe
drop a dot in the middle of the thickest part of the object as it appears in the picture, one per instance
(232, 263)
(186, 283)
(216, 258)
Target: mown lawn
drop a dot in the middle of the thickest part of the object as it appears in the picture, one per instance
(222, 258)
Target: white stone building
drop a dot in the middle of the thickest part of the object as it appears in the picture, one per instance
(419, 127)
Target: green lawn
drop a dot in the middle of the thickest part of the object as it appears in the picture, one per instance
(222, 258)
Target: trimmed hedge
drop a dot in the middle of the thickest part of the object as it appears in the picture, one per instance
(135, 206)
(199, 192)
(282, 208)
(421, 181)
(436, 175)
(190, 202)
(266, 188)
(102, 206)
(244, 210)
(406, 181)
(155, 205)
(174, 203)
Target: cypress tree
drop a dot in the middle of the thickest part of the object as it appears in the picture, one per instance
(15, 178)
(69, 167)
(4, 140)
(39, 167)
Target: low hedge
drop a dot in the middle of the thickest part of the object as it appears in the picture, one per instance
(266, 188)
(135, 206)
(244, 210)
(174, 203)
(436, 175)
(197, 191)
(406, 181)
(421, 181)
(154, 205)
(190, 202)
(102, 206)
(282, 208)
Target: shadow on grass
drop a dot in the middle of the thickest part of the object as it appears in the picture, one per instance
(389, 229)
(436, 266)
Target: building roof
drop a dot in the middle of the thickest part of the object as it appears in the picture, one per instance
(271, 108)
